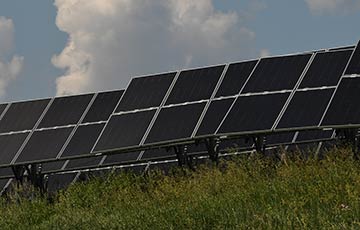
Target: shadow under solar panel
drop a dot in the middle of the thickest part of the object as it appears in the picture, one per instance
(326, 69)
(306, 109)
(344, 109)
(277, 73)
(175, 122)
(145, 92)
(253, 113)
(195, 85)
(23, 115)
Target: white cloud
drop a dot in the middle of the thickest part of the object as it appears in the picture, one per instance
(110, 41)
(264, 53)
(322, 6)
(9, 70)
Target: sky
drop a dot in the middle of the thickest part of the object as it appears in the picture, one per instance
(66, 47)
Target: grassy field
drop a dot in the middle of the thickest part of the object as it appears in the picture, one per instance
(249, 192)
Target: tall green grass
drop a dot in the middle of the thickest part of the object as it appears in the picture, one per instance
(245, 193)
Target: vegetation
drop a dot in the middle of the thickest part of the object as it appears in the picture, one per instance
(246, 192)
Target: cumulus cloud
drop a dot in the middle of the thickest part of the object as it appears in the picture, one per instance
(322, 6)
(110, 41)
(9, 69)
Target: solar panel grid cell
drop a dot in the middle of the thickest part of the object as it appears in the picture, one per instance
(277, 73)
(66, 111)
(326, 69)
(22, 116)
(195, 85)
(145, 92)
(354, 65)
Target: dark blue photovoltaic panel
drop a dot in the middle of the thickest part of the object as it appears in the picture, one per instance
(176, 122)
(345, 107)
(44, 145)
(145, 92)
(10, 145)
(354, 65)
(306, 109)
(214, 115)
(125, 130)
(2, 108)
(121, 158)
(66, 111)
(83, 140)
(22, 115)
(326, 69)
(235, 78)
(103, 106)
(313, 135)
(277, 73)
(84, 162)
(254, 113)
(195, 85)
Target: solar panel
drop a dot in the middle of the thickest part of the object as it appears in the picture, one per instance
(103, 106)
(145, 92)
(345, 107)
(6, 172)
(326, 69)
(43, 145)
(66, 111)
(10, 145)
(125, 130)
(157, 153)
(22, 115)
(280, 138)
(306, 109)
(2, 108)
(214, 115)
(235, 78)
(121, 158)
(354, 65)
(277, 73)
(83, 140)
(51, 166)
(313, 135)
(253, 113)
(175, 122)
(84, 162)
(195, 85)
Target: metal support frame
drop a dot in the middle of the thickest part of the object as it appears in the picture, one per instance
(260, 143)
(183, 158)
(212, 145)
(31, 173)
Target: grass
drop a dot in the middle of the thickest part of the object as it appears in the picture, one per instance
(244, 193)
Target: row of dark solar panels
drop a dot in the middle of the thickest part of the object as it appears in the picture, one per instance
(275, 94)
(316, 141)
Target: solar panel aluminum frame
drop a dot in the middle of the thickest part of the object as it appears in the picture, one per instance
(32, 131)
(332, 98)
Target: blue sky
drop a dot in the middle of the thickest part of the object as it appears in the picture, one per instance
(97, 44)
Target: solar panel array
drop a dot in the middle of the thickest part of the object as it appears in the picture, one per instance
(278, 94)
